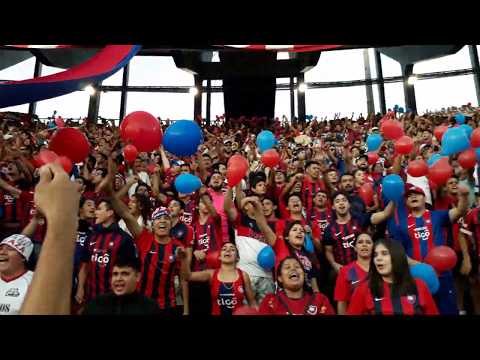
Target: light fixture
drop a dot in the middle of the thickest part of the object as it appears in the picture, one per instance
(302, 87)
(89, 89)
(412, 80)
(194, 91)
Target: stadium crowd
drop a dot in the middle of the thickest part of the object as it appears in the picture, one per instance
(142, 247)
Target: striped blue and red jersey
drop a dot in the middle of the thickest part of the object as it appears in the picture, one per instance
(159, 268)
(207, 237)
(183, 233)
(227, 297)
(342, 237)
(309, 189)
(321, 218)
(349, 278)
(103, 247)
(419, 302)
(471, 228)
(15, 210)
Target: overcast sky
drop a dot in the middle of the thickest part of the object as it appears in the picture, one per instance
(333, 66)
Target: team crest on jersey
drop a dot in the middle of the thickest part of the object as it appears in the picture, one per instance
(14, 292)
(428, 221)
(240, 289)
(171, 258)
(411, 299)
(312, 310)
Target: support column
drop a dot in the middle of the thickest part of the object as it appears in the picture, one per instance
(301, 98)
(409, 90)
(209, 101)
(124, 93)
(292, 99)
(368, 85)
(93, 106)
(32, 107)
(476, 69)
(197, 101)
(380, 85)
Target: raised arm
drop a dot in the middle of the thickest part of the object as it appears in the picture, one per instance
(262, 223)
(185, 272)
(11, 189)
(383, 215)
(462, 206)
(228, 206)
(58, 198)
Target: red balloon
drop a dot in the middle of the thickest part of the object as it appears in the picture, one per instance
(143, 130)
(475, 138)
(392, 129)
(467, 159)
(404, 145)
(366, 193)
(239, 161)
(45, 157)
(66, 163)
(246, 310)
(235, 174)
(442, 258)
(130, 153)
(270, 158)
(439, 131)
(70, 142)
(213, 260)
(417, 168)
(372, 158)
(440, 172)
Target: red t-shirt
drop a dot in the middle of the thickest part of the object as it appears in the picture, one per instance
(363, 302)
(279, 304)
(349, 278)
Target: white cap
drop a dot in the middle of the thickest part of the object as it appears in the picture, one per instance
(21, 243)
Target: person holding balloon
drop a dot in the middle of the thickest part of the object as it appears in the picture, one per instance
(352, 275)
(422, 230)
(253, 234)
(229, 287)
(390, 288)
(293, 296)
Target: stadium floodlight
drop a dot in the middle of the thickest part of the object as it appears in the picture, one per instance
(89, 89)
(302, 87)
(412, 80)
(194, 91)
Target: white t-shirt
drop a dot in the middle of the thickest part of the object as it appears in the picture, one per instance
(12, 293)
(122, 225)
(248, 249)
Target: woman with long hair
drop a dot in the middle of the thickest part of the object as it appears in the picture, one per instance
(229, 286)
(293, 244)
(352, 275)
(140, 207)
(390, 288)
(294, 296)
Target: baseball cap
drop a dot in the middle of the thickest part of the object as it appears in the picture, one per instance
(227, 141)
(178, 162)
(159, 212)
(410, 188)
(21, 243)
(424, 147)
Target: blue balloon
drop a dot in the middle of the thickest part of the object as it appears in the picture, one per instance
(433, 159)
(454, 141)
(460, 118)
(309, 244)
(426, 273)
(374, 141)
(265, 140)
(266, 258)
(467, 129)
(182, 138)
(187, 183)
(393, 187)
(401, 110)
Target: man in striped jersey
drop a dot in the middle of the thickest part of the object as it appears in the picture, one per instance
(103, 246)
